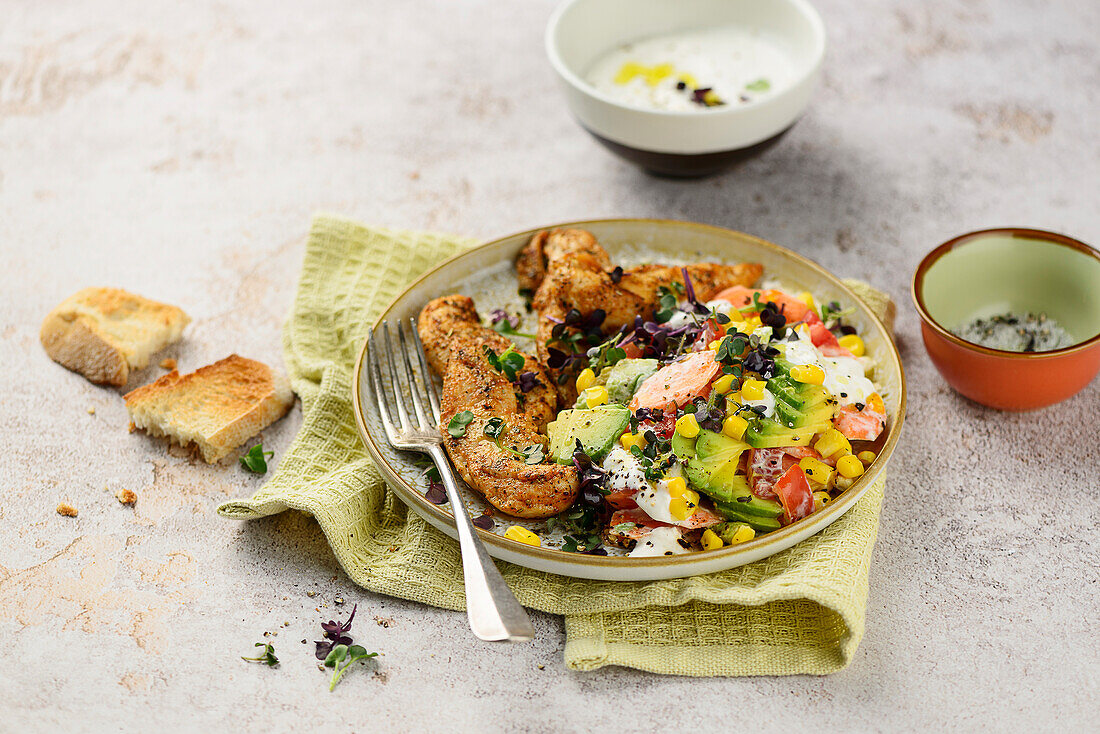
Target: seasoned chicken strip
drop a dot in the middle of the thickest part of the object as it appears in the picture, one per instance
(455, 343)
(575, 273)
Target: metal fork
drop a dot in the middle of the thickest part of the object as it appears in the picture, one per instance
(493, 611)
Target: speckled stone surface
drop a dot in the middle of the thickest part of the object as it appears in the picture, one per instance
(178, 150)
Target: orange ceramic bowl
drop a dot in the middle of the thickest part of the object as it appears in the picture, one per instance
(995, 271)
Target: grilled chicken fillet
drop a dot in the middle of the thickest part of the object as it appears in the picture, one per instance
(567, 269)
(455, 341)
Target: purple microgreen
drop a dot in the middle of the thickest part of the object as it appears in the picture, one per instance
(527, 381)
(499, 314)
(484, 522)
(335, 633)
(617, 274)
(436, 494)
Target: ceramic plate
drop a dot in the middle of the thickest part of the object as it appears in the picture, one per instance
(485, 273)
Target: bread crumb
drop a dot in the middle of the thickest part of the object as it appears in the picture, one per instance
(91, 410)
(64, 508)
(126, 496)
(168, 363)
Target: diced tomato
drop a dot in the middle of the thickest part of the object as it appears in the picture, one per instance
(678, 383)
(766, 466)
(632, 350)
(622, 499)
(860, 425)
(710, 333)
(825, 341)
(794, 493)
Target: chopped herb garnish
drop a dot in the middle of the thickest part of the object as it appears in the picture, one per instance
(255, 460)
(267, 657)
(457, 425)
(760, 85)
(494, 427)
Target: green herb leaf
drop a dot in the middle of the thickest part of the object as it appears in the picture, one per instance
(667, 303)
(337, 655)
(255, 461)
(760, 85)
(494, 427)
(457, 425)
(267, 658)
(533, 454)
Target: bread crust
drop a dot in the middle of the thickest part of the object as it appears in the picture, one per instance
(217, 407)
(104, 333)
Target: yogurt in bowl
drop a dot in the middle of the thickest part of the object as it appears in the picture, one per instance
(686, 88)
(694, 70)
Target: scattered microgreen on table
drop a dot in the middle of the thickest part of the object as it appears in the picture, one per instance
(255, 460)
(346, 654)
(267, 657)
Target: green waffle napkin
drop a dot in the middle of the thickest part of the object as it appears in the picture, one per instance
(799, 611)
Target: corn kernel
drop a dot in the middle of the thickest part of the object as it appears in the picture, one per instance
(752, 389)
(809, 374)
(843, 483)
(586, 379)
(821, 499)
(711, 98)
(849, 466)
(734, 426)
(687, 425)
(735, 326)
(866, 456)
(750, 325)
(676, 486)
(629, 440)
(521, 534)
(713, 346)
(833, 442)
(853, 344)
(808, 298)
(723, 384)
(816, 470)
(875, 401)
(595, 395)
(743, 535)
(680, 508)
(710, 540)
(688, 79)
(734, 398)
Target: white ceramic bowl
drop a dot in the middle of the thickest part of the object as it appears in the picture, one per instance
(683, 143)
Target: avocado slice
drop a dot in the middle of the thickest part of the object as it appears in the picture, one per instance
(683, 447)
(625, 376)
(765, 433)
(726, 486)
(597, 429)
(756, 522)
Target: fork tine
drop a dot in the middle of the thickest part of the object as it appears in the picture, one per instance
(425, 373)
(384, 409)
(401, 412)
(418, 404)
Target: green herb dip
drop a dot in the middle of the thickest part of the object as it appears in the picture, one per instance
(1016, 333)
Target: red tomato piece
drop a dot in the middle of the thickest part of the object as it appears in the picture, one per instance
(860, 425)
(678, 383)
(794, 493)
(632, 351)
(825, 341)
(766, 466)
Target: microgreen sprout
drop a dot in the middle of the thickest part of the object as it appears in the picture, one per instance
(255, 460)
(507, 362)
(346, 654)
(457, 425)
(267, 657)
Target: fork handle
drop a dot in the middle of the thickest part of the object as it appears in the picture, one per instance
(492, 608)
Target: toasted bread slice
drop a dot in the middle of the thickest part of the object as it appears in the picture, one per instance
(103, 333)
(217, 407)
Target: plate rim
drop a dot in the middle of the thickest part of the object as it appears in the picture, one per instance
(728, 557)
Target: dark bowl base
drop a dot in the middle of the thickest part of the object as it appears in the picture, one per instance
(683, 165)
